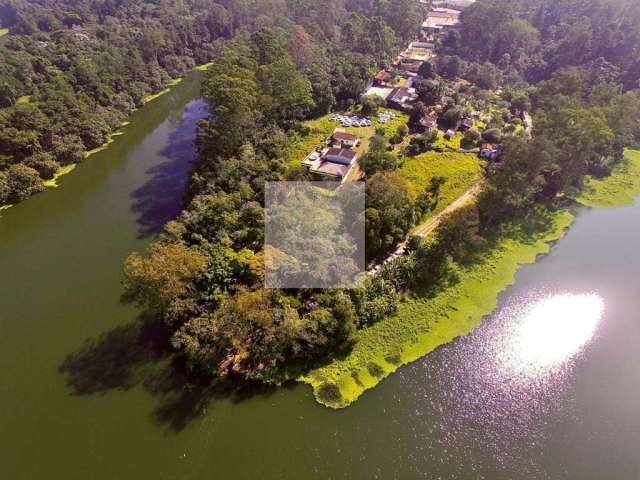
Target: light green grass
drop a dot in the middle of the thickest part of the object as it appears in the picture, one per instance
(462, 171)
(53, 183)
(320, 128)
(3, 31)
(23, 100)
(452, 143)
(617, 190)
(422, 325)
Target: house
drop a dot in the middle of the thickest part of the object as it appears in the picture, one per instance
(490, 152)
(449, 134)
(342, 156)
(342, 139)
(427, 123)
(440, 19)
(466, 124)
(330, 169)
(410, 66)
(402, 97)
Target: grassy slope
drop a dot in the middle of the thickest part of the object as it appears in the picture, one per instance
(423, 324)
(462, 171)
(322, 127)
(619, 189)
(3, 31)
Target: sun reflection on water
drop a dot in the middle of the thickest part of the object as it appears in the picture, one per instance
(552, 330)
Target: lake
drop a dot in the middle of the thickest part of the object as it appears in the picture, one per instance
(547, 388)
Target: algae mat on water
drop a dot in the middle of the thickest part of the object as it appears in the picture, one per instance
(423, 324)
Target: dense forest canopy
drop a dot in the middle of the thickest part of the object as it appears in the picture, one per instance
(537, 37)
(70, 71)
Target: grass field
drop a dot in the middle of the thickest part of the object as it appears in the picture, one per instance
(618, 189)
(3, 31)
(423, 324)
(462, 171)
(320, 128)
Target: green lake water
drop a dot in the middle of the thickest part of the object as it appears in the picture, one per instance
(87, 394)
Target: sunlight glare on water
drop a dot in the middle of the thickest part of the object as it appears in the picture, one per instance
(553, 330)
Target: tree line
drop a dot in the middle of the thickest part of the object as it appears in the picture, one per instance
(71, 71)
(205, 276)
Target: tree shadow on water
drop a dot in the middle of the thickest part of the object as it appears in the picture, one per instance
(160, 199)
(139, 355)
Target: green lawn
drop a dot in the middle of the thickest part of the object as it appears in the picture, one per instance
(3, 31)
(321, 127)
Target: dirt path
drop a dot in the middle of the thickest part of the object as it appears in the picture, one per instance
(431, 224)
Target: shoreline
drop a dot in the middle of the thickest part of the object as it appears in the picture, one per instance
(66, 169)
(422, 325)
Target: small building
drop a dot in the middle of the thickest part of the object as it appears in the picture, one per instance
(449, 134)
(343, 156)
(410, 66)
(402, 97)
(332, 170)
(490, 152)
(466, 124)
(427, 123)
(342, 139)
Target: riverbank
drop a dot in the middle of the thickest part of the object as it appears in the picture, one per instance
(618, 189)
(66, 169)
(421, 325)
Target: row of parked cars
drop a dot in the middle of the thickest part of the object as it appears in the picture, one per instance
(347, 121)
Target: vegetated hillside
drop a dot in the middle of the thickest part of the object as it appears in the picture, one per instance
(534, 38)
(70, 71)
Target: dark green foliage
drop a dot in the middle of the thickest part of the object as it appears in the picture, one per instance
(375, 370)
(22, 182)
(492, 135)
(329, 393)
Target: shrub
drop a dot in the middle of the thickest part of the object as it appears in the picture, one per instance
(23, 182)
(492, 135)
(329, 393)
(44, 164)
(393, 359)
(375, 370)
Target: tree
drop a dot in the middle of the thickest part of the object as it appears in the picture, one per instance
(371, 104)
(167, 273)
(459, 233)
(471, 137)
(428, 69)
(492, 135)
(390, 212)
(378, 161)
(22, 182)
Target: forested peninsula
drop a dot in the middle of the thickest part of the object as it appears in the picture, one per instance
(519, 109)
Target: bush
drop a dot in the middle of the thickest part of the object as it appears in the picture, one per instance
(23, 182)
(329, 393)
(375, 370)
(393, 359)
(492, 135)
(44, 164)
(471, 137)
